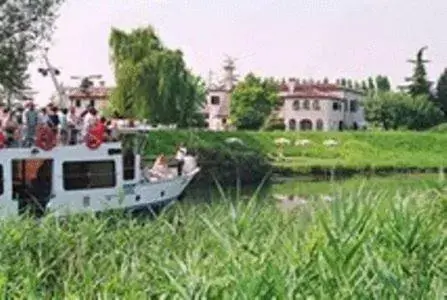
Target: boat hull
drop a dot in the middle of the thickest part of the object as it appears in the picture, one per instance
(130, 196)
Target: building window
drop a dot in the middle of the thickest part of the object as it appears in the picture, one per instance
(224, 121)
(320, 124)
(92, 103)
(215, 100)
(292, 124)
(354, 106)
(2, 184)
(306, 104)
(316, 105)
(129, 165)
(78, 103)
(336, 105)
(84, 175)
(296, 105)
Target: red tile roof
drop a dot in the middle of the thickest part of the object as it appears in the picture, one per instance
(283, 87)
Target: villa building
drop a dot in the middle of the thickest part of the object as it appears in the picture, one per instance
(96, 96)
(306, 105)
(320, 106)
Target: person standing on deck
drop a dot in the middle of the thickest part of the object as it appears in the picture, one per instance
(43, 116)
(63, 126)
(53, 120)
(10, 127)
(180, 158)
(73, 123)
(30, 120)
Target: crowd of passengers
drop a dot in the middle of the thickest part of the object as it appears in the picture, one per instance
(18, 127)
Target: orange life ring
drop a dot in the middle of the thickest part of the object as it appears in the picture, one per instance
(45, 140)
(93, 138)
(2, 140)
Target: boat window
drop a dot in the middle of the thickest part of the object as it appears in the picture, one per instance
(1, 180)
(82, 175)
(129, 165)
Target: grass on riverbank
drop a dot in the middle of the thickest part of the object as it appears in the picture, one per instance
(355, 151)
(361, 245)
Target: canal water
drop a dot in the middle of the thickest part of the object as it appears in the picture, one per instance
(305, 188)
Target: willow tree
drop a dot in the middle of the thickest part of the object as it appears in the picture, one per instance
(152, 81)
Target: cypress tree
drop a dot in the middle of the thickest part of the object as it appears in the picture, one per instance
(441, 91)
(418, 82)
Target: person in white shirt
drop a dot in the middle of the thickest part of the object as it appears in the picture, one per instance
(73, 124)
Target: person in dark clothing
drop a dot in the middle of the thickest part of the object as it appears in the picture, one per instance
(53, 119)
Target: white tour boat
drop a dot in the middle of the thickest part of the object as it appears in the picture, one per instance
(76, 179)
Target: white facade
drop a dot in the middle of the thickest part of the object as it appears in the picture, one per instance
(306, 105)
(321, 107)
(217, 109)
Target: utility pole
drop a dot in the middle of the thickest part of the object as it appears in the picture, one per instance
(53, 73)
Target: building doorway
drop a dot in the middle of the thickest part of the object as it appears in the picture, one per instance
(305, 125)
(292, 124)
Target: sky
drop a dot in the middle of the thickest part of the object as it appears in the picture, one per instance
(284, 38)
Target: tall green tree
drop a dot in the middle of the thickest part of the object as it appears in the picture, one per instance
(24, 27)
(252, 102)
(392, 110)
(418, 82)
(441, 91)
(383, 83)
(152, 81)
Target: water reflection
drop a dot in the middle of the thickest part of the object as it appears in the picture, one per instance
(293, 192)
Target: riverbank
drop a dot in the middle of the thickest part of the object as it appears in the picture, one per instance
(365, 243)
(256, 153)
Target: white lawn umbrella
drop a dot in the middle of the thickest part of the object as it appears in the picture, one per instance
(330, 142)
(234, 140)
(302, 142)
(282, 141)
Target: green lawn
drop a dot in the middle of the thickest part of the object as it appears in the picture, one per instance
(355, 150)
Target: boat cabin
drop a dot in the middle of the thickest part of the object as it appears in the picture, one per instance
(31, 178)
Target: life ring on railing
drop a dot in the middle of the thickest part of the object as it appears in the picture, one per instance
(94, 138)
(46, 139)
(2, 140)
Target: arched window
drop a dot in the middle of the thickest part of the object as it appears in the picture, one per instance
(292, 124)
(306, 104)
(320, 124)
(296, 105)
(316, 105)
(305, 124)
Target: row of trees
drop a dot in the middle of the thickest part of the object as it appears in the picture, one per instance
(416, 106)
